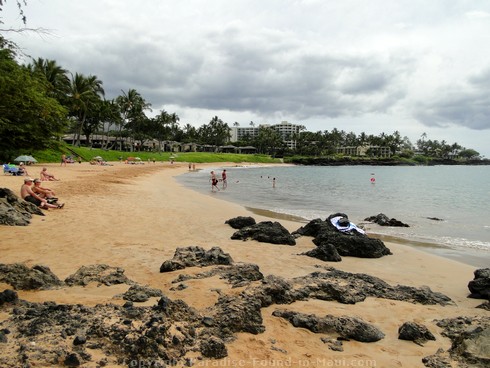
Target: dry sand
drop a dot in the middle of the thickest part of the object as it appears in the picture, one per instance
(135, 216)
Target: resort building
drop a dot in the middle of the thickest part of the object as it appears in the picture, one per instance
(285, 129)
(243, 133)
(366, 150)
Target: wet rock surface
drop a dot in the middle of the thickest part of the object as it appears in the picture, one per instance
(383, 220)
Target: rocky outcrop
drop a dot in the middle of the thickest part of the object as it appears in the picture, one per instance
(480, 285)
(265, 232)
(21, 277)
(415, 332)
(170, 331)
(383, 220)
(351, 288)
(241, 222)
(100, 273)
(469, 337)
(237, 275)
(8, 296)
(163, 334)
(325, 252)
(195, 256)
(350, 243)
(346, 327)
(15, 211)
(139, 293)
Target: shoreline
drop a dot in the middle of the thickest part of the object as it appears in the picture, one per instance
(135, 216)
(471, 257)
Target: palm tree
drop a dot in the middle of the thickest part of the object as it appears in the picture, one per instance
(84, 92)
(55, 75)
(131, 107)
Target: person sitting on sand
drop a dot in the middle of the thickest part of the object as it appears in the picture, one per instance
(45, 176)
(22, 170)
(28, 195)
(44, 192)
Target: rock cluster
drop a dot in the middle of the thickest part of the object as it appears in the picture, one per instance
(333, 244)
(470, 338)
(195, 256)
(62, 334)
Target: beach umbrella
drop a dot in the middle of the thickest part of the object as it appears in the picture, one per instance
(98, 158)
(25, 158)
(130, 159)
(137, 159)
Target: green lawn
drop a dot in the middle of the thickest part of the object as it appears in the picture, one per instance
(53, 155)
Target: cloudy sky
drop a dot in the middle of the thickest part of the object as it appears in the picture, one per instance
(415, 66)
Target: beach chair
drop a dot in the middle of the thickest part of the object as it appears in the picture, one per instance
(12, 170)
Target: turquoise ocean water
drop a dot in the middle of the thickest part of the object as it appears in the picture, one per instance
(458, 195)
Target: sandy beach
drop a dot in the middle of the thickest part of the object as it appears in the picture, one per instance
(135, 216)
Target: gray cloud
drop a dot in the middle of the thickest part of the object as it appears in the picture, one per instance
(466, 105)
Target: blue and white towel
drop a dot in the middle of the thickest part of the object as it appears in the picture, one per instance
(345, 229)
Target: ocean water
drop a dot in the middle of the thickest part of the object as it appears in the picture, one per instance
(457, 195)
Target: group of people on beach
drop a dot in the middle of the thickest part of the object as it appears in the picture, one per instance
(42, 197)
(214, 181)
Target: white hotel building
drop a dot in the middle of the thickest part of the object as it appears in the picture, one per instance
(285, 129)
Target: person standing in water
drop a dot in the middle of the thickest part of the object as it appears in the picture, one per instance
(214, 182)
(223, 179)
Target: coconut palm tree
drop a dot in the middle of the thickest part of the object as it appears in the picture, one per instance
(84, 92)
(55, 75)
(132, 106)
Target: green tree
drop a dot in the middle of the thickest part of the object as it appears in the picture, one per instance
(29, 119)
(216, 132)
(469, 153)
(269, 141)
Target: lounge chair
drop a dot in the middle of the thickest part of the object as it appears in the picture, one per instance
(7, 169)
